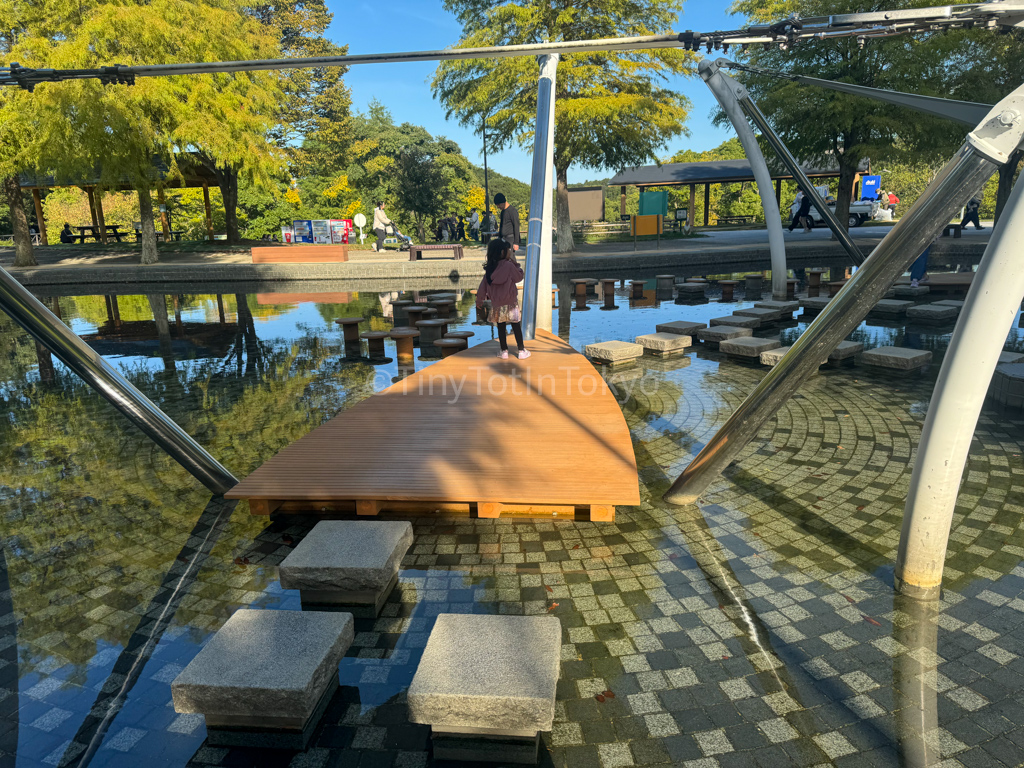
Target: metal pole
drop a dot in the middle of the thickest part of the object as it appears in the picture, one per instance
(538, 240)
(890, 259)
(801, 178)
(28, 312)
(487, 189)
(728, 93)
(970, 361)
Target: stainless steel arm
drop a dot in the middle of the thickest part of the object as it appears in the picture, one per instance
(28, 312)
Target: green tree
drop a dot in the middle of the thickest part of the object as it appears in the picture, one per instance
(611, 110)
(430, 178)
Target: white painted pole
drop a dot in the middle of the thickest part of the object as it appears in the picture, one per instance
(728, 93)
(970, 361)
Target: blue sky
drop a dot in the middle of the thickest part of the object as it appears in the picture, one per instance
(411, 25)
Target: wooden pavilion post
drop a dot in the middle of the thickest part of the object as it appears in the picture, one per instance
(778, 193)
(91, 192)
(102, 224)
(117, 310)
(39, 216)
(209, 214)
(691, 207)
(622, 201)
(165, 223)
(220, 308)
(707, 203)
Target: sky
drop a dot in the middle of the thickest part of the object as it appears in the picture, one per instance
(416, 25)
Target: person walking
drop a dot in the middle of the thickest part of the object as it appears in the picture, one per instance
(508, 226)
(381, 222)
(474, 224)
(804, 213)
(971, 214)
(460, 231)
(501, 273)
(795, 218)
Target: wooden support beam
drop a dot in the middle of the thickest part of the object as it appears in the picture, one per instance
(368, 506)
(209, 213)
(602, 513)
(691, 207)
(263, 507)
(102, 223)
(91, 192)
(707, 204)
(117, 310)
(220, 308)
(39, 216)
(778, 193)
(622, 200)
(165, 222)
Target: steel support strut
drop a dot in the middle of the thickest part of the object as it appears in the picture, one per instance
(536, 310)
(986, 148)
(28, 312)
(728, 93)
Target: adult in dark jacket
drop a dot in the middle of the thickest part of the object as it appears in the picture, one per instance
(804, 213)
(508, 226)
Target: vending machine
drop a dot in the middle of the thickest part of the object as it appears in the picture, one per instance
(341, 229)
(321, 231)
(302, 231)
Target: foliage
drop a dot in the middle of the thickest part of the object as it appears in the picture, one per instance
(609, 110)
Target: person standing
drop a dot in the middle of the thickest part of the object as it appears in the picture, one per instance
(474, 224)
(501, 273)
(460, 230)
(381, 222)
(508, 226)
(971, 214)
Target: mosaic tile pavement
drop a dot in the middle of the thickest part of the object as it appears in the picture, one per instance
(758, 628)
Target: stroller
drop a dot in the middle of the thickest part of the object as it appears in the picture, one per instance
(404, 242)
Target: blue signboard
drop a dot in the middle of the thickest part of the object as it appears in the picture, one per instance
(302, 230)
(869, 186)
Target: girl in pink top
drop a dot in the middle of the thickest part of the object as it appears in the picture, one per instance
(501, 273)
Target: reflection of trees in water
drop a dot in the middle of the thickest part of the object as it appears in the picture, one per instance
(93, 512)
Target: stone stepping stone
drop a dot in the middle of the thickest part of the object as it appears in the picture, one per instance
(761, 313)
(266, 677)
(749, 347)
(351, 563)
(613, 351)
(1008, 385)
(891, 307)
(664, 343)
(682, 327)
(784, 308)
(846, 350)
(932, 313)
(951, 303)
(814, 303)
(912, 291)
(1010, 357)
(771, 357)
(899, 358)
(736, 321)
(486, 686)
(720, 333)
(692, 289)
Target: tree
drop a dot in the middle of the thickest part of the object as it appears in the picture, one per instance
(825, 126)
(430, 177)
(610, 110)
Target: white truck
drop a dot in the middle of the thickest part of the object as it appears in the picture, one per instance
(860, 211)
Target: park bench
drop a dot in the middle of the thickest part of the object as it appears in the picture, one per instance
(735, 219)
(416, 251)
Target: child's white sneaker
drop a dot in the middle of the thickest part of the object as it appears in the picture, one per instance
(503, 354)
(523, 354)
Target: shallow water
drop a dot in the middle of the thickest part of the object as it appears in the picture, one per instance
(758, 627)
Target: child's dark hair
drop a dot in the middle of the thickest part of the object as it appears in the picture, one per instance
(495, 254)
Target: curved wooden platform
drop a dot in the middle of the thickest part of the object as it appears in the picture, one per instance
(471, 434)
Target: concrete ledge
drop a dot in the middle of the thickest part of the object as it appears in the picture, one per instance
(749, 347)
(891, 307)
(613, 351)
(932, 313)
(899, 358)
(681, 327)
(735, 321)
(721, 333)
(664, 343)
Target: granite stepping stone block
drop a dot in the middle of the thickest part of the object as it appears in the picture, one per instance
(664, 343)
(846, 350)
(932, 313)
(736, 321)
(682, 327)
(891, 307)
(694, 289)
(951, 303)
(814, 303)
(771, 357)
(912, 291)
(486, 685)
(720, 333)
(899, 358)
(613, 351)
(761, 313)
(784, 308)
(1008, 385)
(749, 347)
(1010, 357)
(352, 563)
(266, 677)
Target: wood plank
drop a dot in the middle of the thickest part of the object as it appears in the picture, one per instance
(298, 254)
(469, 429)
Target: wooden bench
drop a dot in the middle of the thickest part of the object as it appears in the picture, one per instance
(299, 254)
(416, 251)
(735, 219)
(956, 229)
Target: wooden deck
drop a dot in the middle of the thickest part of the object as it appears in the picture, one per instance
(470, 435)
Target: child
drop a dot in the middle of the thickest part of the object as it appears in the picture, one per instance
(501, 273)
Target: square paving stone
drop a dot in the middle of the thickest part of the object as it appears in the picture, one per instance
(347, 562)
(846, 349)
(773, 356)
(891, 307)
(613, 351)
(897, 357)
(748, 346)
(488, 675)
(912, 291)
(1011, 357)
(783, 307)
(265, 677)
(721, 333)
(682, 327)
(814, 303)
(664, 343)
(951, 303)
(763, 314)
(736, 321)
(1008, 385)
(932, 313)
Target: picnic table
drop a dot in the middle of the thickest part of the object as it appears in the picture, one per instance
(174, 233)
(88, 230)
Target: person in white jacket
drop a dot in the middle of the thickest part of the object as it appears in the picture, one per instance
(380, 224)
